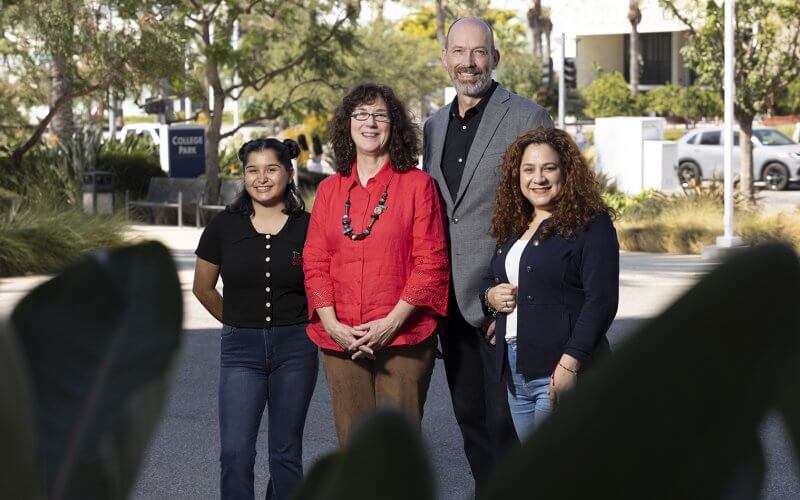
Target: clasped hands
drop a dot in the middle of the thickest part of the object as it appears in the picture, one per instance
(362, 341)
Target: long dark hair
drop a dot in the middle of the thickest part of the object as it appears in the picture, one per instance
(285, 150)
(403, 133)
(575, 205)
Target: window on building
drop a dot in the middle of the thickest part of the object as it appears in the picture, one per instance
(656, 61)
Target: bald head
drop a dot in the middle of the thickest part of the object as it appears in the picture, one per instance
(470, 56)
(472, 27)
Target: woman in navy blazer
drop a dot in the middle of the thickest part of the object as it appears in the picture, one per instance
(553, 283)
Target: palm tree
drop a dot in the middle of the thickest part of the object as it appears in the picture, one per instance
(635, 17)
(535, 22)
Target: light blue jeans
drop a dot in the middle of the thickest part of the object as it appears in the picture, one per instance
(527, 398)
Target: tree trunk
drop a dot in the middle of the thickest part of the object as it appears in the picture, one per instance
(635, 17)
(440, 17)
(63, 122)
(746, 155)
(535, 23)
(379, 5)
(214, 129)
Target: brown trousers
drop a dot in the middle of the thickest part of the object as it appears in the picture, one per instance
(399, 376)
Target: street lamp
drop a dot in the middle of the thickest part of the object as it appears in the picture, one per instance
(728, 240)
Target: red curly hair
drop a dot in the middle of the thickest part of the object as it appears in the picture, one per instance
(577, 202)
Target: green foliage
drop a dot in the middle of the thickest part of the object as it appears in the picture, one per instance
(622, 203)
(41, 178)
(788, 101)
(609, 95)
(522, 74)
(81, 398)
(687, 103)
(666, 100)
(703, 103)
(132, 171)
(141, 45)
(47, 237)
(766, 43)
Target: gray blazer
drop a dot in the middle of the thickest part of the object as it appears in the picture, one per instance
(507, 115)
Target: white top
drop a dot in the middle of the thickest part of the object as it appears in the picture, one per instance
(512, 270)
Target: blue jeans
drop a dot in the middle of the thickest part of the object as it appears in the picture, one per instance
(258, 366)
(527, 398)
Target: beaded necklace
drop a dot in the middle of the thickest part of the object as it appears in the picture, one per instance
(379, 209)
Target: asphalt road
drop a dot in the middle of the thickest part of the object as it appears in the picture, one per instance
(182, 462)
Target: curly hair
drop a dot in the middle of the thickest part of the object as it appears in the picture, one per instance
(403, 133)
(577, 202)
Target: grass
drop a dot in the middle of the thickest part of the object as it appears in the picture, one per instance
(683, 225)
(46, 239)
(673, 134)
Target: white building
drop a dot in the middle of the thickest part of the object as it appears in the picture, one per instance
(597, 33)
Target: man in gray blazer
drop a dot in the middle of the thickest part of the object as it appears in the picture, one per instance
(462, 149)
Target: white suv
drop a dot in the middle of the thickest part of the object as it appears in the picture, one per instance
(145, 130)
(776, 158)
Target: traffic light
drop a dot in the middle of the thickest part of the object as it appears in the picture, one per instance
(547, 72)
(570, 75)
(155, 106)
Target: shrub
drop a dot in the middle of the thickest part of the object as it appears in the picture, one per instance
(667, 100)
(609, 95)
(689, 104)
(45, 238)
(684, 223)
(132, 171)
(41, 178)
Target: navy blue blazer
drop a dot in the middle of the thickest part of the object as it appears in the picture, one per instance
(567, 296)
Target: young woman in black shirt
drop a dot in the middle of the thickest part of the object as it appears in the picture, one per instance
(256, 246)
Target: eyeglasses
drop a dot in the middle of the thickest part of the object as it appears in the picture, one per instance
(363, 116)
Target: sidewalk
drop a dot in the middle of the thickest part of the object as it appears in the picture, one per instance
(648, 282)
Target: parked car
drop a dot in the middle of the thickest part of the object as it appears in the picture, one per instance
(144, 130)
(776, 158)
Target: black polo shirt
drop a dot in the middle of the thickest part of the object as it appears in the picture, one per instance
(262, 273)
(460, 134)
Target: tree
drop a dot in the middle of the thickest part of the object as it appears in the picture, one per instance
(767, 50)
(535, 23)
(86, 54)
(689, 103)
(293, 47)
(788, 101)
(635, 17)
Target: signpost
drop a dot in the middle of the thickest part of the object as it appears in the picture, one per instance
(183, 150)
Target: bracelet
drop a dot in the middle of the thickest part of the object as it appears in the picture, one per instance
(489, 307)
(574, 372)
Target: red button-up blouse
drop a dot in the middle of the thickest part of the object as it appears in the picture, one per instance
(404, 257)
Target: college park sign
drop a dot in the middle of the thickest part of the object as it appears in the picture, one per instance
(183, 150)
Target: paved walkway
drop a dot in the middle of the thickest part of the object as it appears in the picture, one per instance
(182, 461)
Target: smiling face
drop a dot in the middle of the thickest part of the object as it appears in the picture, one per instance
(371, 136)
(470, 57)
(540, 176)
(265, 179)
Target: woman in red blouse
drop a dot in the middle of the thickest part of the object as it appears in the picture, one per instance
(375, 262)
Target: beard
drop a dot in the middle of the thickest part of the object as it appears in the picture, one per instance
(470, 89)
